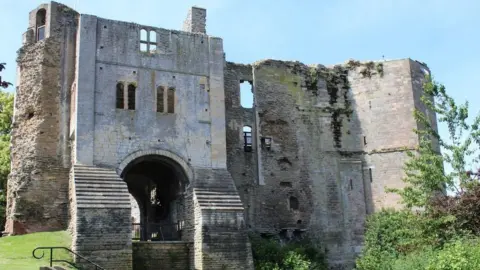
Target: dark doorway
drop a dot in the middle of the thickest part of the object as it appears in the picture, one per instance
(157, 184)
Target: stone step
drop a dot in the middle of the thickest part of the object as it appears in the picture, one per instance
(100, 190)
(101, 185)
(104, 194)
(103, 201)
(84, 167)
(219, 201)
(97, 176)
(103, 205)
(204, 199)
(98, 181)
(108, 198)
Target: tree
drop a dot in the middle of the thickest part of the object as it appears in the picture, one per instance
(425, 173)
(6, 114)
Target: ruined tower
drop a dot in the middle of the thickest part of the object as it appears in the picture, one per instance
(108, 110)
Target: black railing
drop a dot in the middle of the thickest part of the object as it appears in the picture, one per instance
(157, 231)
(97, 267)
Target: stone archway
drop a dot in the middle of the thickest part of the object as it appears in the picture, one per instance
(158, 181)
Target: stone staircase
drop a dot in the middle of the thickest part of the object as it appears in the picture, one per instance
(99, 188)
(221, 199)
(215, 189)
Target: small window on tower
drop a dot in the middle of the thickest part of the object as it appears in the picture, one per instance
(294, 204)
(247, 139)
(119, 96)
(131, 96)
(266, 142)
(40, 23)
(160, 99)
(171, 100)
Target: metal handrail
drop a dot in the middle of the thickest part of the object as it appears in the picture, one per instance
(97, 267)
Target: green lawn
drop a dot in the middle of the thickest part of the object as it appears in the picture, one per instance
(16, 251)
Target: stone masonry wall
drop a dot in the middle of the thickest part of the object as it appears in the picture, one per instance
(161, 256)
(337, 141)
(38, 183)
(241, 164)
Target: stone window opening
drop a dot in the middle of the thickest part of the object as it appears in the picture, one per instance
(120, 99)
(171, 100)
(364, 140)
(246, 94)
(148, 41)
(160, 99)
(351, 184)
(370, 174)
(131, 96)
(266, 142)
(293, 202)
(40, 24)
(247, 139)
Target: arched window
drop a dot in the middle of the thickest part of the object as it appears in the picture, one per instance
(148, 41)
(120, 100)
(152, 41)
(40, 23)
(171, 100)
(247, 139)
(143, 40)
(160, 99)
(131, 96)
(246, 94)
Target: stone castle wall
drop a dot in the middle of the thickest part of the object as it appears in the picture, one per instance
(337, 141)
(326, 141)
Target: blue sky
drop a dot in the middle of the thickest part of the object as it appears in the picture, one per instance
(443, 34)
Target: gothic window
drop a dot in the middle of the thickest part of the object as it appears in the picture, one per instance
(40, 23)
(171, 100)
(131, 96)
(119, 96)
(160, 93)
(148, 41)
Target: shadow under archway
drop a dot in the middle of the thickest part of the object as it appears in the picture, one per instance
(158, 184)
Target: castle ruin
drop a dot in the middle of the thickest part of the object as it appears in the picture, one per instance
(108, 110)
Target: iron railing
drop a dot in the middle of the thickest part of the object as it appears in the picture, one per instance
(97, 267)
(157, 231)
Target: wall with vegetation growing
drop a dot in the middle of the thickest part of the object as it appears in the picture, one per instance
(330, 129)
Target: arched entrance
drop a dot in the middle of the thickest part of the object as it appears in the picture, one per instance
(157, 184)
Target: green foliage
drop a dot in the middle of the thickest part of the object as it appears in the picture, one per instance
(425, 174)
(270, 254)
(391, 234)
(445, 234)
(459, 254)
(6, 114)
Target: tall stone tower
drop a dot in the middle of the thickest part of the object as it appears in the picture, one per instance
(38, 183)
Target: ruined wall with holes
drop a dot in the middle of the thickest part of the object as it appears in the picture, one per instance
(337, 136)
(38, 182)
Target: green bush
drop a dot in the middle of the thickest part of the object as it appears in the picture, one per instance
(271, 254)
(391, 234)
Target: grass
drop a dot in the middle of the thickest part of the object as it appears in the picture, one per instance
(16, 251)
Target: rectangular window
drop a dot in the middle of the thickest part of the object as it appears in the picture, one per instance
(160, 105)
(131, 96)
(370, 174)
(40, 33)
(247, 137)
(171, 100)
